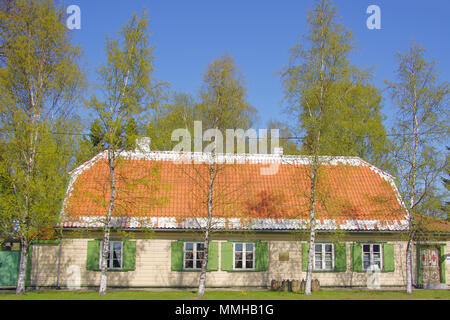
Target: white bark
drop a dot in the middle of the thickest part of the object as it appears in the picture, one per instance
(106, 237)
(202, 283)
(415, 126)
(312, 239)
(20, 289)
(409, 288)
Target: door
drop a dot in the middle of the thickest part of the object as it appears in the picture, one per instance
(9, 266)
(431, 272)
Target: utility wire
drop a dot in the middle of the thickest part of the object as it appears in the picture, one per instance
(281, 138)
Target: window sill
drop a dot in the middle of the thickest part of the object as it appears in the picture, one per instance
(328, 271)
(193, 271)
(381, 271)
(246, 271)
(112, 271)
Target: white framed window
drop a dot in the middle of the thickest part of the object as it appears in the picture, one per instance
(372, 256)
(115, 256)
(323, 257)
(244, 256)
(193, 255)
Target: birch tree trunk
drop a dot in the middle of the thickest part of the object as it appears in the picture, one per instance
(106, 236)
(202, 283)
(312, 237)
(20, 288)
(409, 289)
(315, 167)
(415, 127)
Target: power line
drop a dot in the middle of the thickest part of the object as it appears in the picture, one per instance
(281, 138)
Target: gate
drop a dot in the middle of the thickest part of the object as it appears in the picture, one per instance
(9, 267)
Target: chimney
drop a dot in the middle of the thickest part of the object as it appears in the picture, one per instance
(143, 145)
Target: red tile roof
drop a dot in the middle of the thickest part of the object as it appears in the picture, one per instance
(351, 194)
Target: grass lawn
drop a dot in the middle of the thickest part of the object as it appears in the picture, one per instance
(229, 295)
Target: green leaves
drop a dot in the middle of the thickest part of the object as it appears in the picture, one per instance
(129, 90)
(40, 81)
(223, 97)
(421, 124)
(330, 100)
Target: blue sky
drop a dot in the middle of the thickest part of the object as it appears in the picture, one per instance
(258, 34)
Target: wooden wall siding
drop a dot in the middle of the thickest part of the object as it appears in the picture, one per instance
(153, 268)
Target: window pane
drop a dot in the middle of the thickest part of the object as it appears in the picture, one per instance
(238, 264)
(249, 256)
(318, 265)
(238, 247)
(366, 248)
(329, 265)
(115, 255)
(238, 256)
(189, 246)
(249, 264)
(200, 246)
(199, 255)
(376, 248)
(328, 248)
(366, 260)
(198, 264)
(249, 247)
(189, 255)
(318, 261)
(319, 248)
(189, 264)
(116, 264)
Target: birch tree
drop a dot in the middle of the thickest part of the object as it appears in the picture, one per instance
(223, 105)
(127, 91)
(329, 102)
(39, 83)
(178, 113)
(421, 124)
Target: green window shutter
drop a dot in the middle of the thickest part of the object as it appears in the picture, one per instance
(93, 255)
(388, 258)
(227, 256)
(340, 257)
(262, 256)
(419, 265)
(305, 253)
(442, 262)
(129, 256)
(213, 256)
(357, 257)
(177, 251)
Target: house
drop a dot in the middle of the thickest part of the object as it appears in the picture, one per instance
(260, 224)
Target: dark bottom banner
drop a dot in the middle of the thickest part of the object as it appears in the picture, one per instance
(184, 310)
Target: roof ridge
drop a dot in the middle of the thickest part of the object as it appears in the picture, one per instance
(259, 157)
